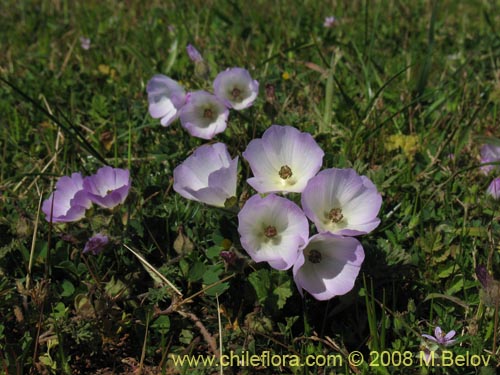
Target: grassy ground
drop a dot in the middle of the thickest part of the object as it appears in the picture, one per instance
(404, 92)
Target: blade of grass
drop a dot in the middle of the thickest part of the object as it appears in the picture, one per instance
(72, 131)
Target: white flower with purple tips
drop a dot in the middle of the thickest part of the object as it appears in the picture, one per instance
(328, 265)
(236, 88)
(68, 202)
(272, 230)
(209, 175)
(109, 187)
(204, 115)
(342, 202)
(283, 160)
(166, 97)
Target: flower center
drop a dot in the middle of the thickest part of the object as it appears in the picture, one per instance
(314, 256)
(285, 172)
(236, 93)
(109, 192)
(270, 231)
(208, 113)
(335, 215)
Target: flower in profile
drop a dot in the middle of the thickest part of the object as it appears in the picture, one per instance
(441, 338)
(68, 202)
(489, 153)
(327, 266)
(166, 97)
(494, 188)
(193, 54)
(204, 115)
(96, 244)
(109, 187)
(329, 22)
(283, 160)
(272, 230)
(342, 202)
(208, 175)
(85, 43)
(236, 88)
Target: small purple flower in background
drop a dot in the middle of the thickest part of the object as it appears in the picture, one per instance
(193, 54)
(85, 43)
(342, 202)
(329, 22)
(328, 265)
(68, 202)
(109, 187)
(283, 160)
(494, 188)
(96, 244)
(166, 97)
(236, 88)
(441, 338)
(204, 115)
(272, 229)
(208, 175)
(489, 153)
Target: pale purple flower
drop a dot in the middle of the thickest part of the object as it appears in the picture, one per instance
(166, 97)
(489, 153)
(236, 88)
(283, 160)
(327, 266)
(494, 188)
(193, 54)
(329, 22)
(209, 175)
(441, 338)
(68, 202)
(272, 229)
(342, 202)
(109, 187)
(85, 42)
(96, 244)
(204, 115)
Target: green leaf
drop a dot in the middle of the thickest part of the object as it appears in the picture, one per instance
(68, 288)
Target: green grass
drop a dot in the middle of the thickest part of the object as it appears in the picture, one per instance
(393, 90)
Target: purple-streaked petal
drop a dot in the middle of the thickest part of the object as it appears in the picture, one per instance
(429, 337)
(328, 265)
(449, 335)
(272, 229)
(236, 88)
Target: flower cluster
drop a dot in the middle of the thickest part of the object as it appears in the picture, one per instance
(490, 153)
(201, 113)
(274, 229)
(75, 194)
(339, 202)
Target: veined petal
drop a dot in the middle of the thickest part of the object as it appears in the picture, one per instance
(272, 229)
(283, 160)
(328, 265)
